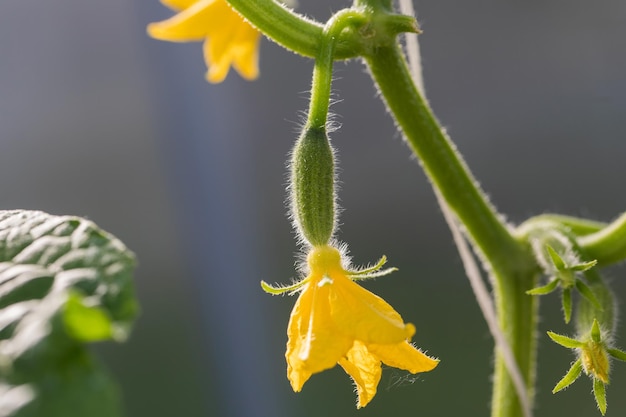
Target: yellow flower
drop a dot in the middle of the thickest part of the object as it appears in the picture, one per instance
(228, 38)
(335, 320)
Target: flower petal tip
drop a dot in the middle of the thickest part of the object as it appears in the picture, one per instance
(155, 30)
(424, 363)
(297, 379)
(409, 329)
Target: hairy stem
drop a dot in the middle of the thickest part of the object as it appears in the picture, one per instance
(441, 161)
(323, 70)
(472, 270)
(511, 266)
(291, 30)
(607, 245)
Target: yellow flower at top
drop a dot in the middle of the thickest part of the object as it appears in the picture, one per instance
(336, 321)
(228, 39)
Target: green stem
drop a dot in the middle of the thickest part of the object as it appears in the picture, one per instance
(291, 30)
(441, 161)
(375, 5)
(323, 70)
(578, 226)
(518, 318)
(511, 265)
(607, 245)
(599, 241)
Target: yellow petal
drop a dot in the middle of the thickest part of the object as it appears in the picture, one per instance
(296, 327)
(220, 46)
(229, 39)
(180, 4)
(223, 40)
(242, 56)
(246, 57)
(217, 69)
(365, 316)
(365, 370)
(194, 23)
(403, 356)
(236, 44)
(314, 343)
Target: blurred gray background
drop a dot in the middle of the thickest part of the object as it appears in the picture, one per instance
(100, 121)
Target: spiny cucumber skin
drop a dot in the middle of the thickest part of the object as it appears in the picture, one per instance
(313, 186)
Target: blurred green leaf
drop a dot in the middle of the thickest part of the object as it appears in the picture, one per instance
(64, 282)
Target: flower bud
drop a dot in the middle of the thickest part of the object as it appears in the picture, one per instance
(595, 360)
(313, 186)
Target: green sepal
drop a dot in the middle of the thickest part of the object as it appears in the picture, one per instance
(369, 269)
(572, 375)
(565, 341)
(313, 186)
(617, 354)
(566, 301)
(546, 289)
(584, 266)
(557, 261)
(377, 274)
(586, 292)
(373, 271)
(599, 392)
(596, 334)
(270, 289)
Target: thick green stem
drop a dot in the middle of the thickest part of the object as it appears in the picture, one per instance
(292, 30)
(603, 242)
(441, 161)
(578, 226)
(511, 265)
(607, 245)
(379, 5)
(518, 318)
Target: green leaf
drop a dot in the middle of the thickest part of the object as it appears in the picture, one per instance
(86, 323)
(63, 282)
(565, 341)
(571, 376)
(599, 391)
(79, 388)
